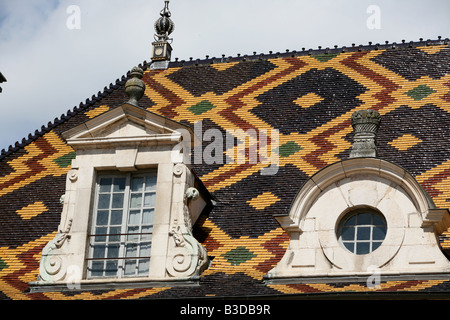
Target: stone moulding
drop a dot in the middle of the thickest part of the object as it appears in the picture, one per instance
(187, 257)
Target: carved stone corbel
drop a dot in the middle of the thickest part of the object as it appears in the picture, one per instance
(187, 257)
(52, 266)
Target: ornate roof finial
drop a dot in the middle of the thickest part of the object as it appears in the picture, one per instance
(164, 25)
(161, 47)
(135, 87)
(365, 125)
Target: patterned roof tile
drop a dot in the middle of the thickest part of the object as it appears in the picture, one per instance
(308, 96)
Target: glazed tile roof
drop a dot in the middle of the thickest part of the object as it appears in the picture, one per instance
(308, 96)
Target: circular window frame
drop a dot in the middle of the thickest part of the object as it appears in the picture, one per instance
(342, 258)
(341, 224)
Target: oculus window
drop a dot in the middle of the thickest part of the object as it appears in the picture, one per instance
(121, 235)
(362, 232)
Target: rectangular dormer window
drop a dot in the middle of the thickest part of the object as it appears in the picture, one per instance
(121, 233)
(129, 206)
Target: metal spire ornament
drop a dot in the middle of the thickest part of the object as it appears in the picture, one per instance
(164, 26)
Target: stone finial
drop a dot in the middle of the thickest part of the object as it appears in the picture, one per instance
(135, 87)
(365, 125)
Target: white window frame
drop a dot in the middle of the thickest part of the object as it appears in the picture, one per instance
(124, 232)
(356, 227)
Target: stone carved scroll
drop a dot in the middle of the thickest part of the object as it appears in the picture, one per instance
(52, 266)
(187, 257)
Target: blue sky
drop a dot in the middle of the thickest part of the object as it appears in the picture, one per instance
(51, 68)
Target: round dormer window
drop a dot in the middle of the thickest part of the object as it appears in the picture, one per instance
(362, 231)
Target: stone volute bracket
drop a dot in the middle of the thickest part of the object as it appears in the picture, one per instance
(187, 258)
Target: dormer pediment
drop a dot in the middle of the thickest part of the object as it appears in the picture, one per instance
(125, 125)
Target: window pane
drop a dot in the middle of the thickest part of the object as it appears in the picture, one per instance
(113, 251)
(115, 234)
(150, 183)
(134, 217)
(149, 199)
(350, 246)
(103, 201)
(130, 267)
(117, 200)
(97, 268)
(102, 217)
(351, 221)
(119, 185)
(147, 216)
(101, 231)
(143, 267)
(147, 233)
(116, 217)
(131, 250)
(364, 218)
(99, 251)
(379, 233)
(375, 245)
(145, 249)
(362, 247)
(363, 233)
(111, 268)
(137, 184)
(133, 237)
(378, 221)
(105, 184)
(348, 233)
(136, 200)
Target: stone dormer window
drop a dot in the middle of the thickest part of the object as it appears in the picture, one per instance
(129, 206)
(359, 215)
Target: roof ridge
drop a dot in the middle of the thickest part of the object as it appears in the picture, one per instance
(82, 107)
(145, 65)
(304, 51)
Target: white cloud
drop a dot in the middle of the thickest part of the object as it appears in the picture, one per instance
(50, 69)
